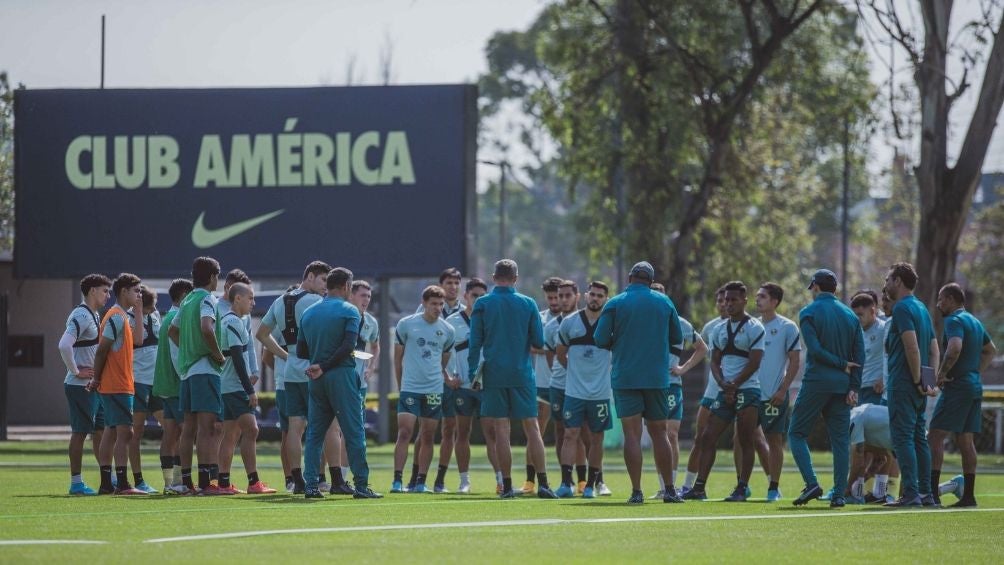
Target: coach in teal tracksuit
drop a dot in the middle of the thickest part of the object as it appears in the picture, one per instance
(835, 352)
(639, 326)
(504, 326)
(328, 333)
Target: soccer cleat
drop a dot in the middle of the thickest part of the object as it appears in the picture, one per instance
(738, 495)
(930, 501)
(365, 492)
(960, 485)
(529, 487)
(213, 490)
(128, 490)
(684, 490)
(580, 487)
(872, 499)
(603, 490)
(657, 495)
(672, 496)
(748, 493)
(546, 492)
(146, 488)
(465, 487)
(903, 502)
(773, 495)
(342, 489)
(80, 489)
(827, 496)
(290, 487)
(323, 486)
(808, 493)
(229, 490)
(498, 488)
(440, 489)
(260, 488)
(964, 503)
(855, 500)
(837, 502)
(588, 492)
(637, 497)
(507, 494)
(312, 493)
(564, 491)
(694, 494)
(419, 488)
(396, 487)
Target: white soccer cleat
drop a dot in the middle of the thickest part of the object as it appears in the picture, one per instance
(465, 487)
(603, 490)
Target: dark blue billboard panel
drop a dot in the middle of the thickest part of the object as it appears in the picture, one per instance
(378, 179)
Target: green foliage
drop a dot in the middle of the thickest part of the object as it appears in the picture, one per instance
(983, 262)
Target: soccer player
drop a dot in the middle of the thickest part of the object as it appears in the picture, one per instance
(865, 308)
(968, 352)
(737, 349)
(223, 306)
(77, 347)
(639, 326)
(505, 325)
(568, 297)
(421, 358)
(586, 406)
(166, 385)
(911, 344)
(778, 368)
(468, 400)
(114, 381)
(329, 332)
(834, 346)
(710, 393)
(145, 403)
(196, 329)
(284, 315)
(542, 362)
(872, 449)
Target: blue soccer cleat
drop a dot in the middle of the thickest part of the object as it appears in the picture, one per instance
(420, 488)
(396, 487)
(773, 495)
(588, 492)
(81, 489)
(146, 488)
(960, 485)
(828, 495)
(565, 491)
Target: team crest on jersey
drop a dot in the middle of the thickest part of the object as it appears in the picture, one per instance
(426, 354)
(409, 401)
(773, 331)
(568, 415)
(555, 407)
(460, 401)
(439, 333)
(872, 337)
(420, 342)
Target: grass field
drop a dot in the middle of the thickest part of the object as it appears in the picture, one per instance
(474, 528)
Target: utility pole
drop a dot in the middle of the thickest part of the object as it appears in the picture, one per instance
(845, 219)
(102, 51)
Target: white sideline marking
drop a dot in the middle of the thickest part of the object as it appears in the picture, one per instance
(50, 542)
(556, 521)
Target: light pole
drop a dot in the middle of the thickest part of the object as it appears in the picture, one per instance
(502, 202)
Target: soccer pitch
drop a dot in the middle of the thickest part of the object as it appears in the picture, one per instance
(40, 523)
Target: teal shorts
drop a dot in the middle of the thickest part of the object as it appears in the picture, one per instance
(594, 413)
(745, 398)
(557, 401)
(958, 413)
(421, 405)
(297, 400)
(867, 395)
(775, 419)
(651, 403)
(280, 407)
(83, 405)
(517, 403)
(144, 401)
(544, 394)
(707, 402)
(201, 393)
(675, 400)
(235, 405)
(118, 409)
(468, 402)
(172, 409)
(449, 402)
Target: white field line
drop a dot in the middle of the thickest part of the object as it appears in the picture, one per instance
(50, 542)
(555, 521)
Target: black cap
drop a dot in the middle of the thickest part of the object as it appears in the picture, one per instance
(823, 275)
(643, 270)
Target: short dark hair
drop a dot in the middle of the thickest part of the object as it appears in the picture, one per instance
(149, 296)
(238, 289)
(124, 281)
(203, 269)
(569, 283)
(450, 273)
(738, 286)
(316, 268)
(356, 285)
(475, 282)
(338, 277)
(656, 286)
(774, 291)
(601, 285)
(237, 276)
(906, 273)
(506, 269)
(551, 284)
(954, 291)
(93, 281)
(863, 300)
(870, 292)
(433, 291)
(721, 290)
(179, 288)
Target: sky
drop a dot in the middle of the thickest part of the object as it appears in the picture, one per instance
(248, 43)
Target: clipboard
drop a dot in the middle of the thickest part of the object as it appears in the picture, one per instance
(928, 380)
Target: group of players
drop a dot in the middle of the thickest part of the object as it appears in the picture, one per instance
(483, 356)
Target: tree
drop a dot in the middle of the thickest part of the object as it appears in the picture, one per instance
(6, 166)
(946, 191)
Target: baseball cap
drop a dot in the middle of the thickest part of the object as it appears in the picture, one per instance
(822, 275)
(643, 269)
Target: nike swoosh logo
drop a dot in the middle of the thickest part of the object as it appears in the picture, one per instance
(204, 238)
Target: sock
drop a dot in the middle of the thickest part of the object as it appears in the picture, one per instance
(336, 476)
(214, 474)
(566, 475)
(530, 473)
(224, 479)
(935, 481)
(168, 476)
(420, 479)
(345, 473)
(891, 486)
(76, 479)
(879, 490)
(969, 489)
(397, 475)
(580, 473)
(203, 476)
(298, 483)
(773, 485)
(176, 475)
(542, 480)
(253, 478)
(177, 461)
(506, 484)
(465, 477)
(673, 477)
(699, 484)
(322, 478)
(138, 477)
(591, 477)
(858, 487)
(414, 476)
(741, 486)
(662, 482)
(289, 479)
(688, 480)
(441, 475)
(166, 462)
(599, 476)
(498, 477)
(186, 477)
(106, 477)
(122, 477)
